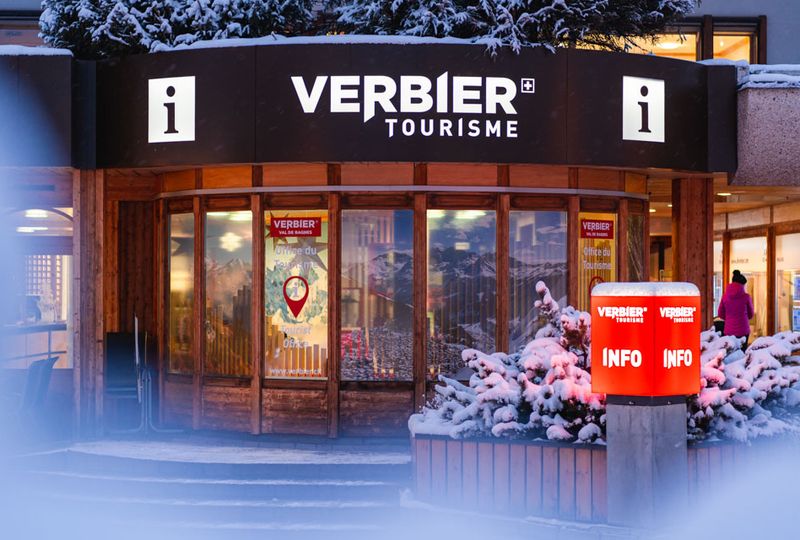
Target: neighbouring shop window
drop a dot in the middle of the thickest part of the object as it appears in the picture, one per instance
(229, 293)
(537, 252)
(719, 281)
(377, 338)
(787, 282)
(680, 46)
(733, 46)
(749, 256)
(462, 287)
(181, 293)
(296, 294)
(635, 248)
(37, 320)
(597, 253)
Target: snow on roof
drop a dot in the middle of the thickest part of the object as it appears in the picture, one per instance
(21, 50)
(646, 289)
(346, 39)
(761, 75)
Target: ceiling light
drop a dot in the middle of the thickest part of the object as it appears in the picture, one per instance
(435, 214)
(30, 229)
(241, 216)
(230, 242)
(724, 194)
(35, 213)
(470, 214)
(669, 45)
(669, 205)
(652, 210)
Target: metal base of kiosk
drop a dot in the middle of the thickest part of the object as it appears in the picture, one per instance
(647, 460)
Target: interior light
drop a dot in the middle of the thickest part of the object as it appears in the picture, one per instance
(461, 246)
(470, 214)
(435, 214)
(35, 213)
(218, 214)
(669, 205)
(30, 229)
(724, 194)
(240, 216)
(652, 210)
(669, 45)
(230, 241)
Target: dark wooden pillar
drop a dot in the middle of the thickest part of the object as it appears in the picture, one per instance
(88, 199)
(693, 237)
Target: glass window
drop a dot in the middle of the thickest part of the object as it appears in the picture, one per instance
(680, 46)
(787, 282)
(462, 287)
(537, 252)
(597, 253)
(181, 293)
(296, 294)
(377, 295)
(718, 277)
(749, 256)
(36, 322)
(732, 46)
(229, 286)
(635, 245)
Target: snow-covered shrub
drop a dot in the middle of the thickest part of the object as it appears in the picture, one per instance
(516, 23)
(545, 390)
(110, 28)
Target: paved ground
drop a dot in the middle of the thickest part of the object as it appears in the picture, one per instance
(197, 487)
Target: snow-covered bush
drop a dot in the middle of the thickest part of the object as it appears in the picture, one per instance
(516, 23)
(109, 28)
(544, 391)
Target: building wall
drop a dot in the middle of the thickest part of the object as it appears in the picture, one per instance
(783, 23)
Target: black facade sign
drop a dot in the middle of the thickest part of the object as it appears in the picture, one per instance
(394, 102)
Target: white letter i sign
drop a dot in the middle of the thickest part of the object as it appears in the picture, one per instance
(170, 110)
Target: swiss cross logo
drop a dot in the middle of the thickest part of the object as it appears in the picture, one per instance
(170, 110)
(642, 109)
(527, 86)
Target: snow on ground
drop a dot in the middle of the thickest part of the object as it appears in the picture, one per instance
(195, 453)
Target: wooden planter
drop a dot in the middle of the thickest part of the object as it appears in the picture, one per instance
(519, 477)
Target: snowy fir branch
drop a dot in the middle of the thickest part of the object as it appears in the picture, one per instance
(111, 28)
(544, 391)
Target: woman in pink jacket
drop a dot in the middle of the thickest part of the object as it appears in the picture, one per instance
(736, 307)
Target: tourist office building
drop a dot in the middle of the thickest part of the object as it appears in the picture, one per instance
(310, 231)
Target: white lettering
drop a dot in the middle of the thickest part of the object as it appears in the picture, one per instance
(504, 99)
(415, 94)
(462, 95)
(441, 93)
(383, 98)
(622, 357)
(674, 358)
(339, 93)
(391, 122)
(309, 100)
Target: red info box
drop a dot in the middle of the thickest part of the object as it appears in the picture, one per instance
(645, 345)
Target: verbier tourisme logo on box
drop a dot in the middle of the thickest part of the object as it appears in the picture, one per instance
(170, 110)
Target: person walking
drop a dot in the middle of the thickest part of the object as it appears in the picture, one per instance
(736, 308)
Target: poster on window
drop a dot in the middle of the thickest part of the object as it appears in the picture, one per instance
(296, 294)
(597, 253)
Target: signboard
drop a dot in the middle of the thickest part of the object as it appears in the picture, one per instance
(646, 339)
(416, 102)
(597, 253)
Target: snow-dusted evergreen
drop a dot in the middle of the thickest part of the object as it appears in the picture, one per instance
(109, 28)
(545, 390)
(517, 23)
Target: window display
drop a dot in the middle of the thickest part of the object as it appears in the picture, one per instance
(296, 294)
(597, 253)
(229, 293)
(377, 295)
(749, 256)
(462, 287)
(181, 293)
(787, 282)
(537, 252)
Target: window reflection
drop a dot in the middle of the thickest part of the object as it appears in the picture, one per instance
(181, 292)
(537, 252)
(680, 46)
(229, 286)
(462, 287)
(787, 282)
(377, 295)
(749, 256)
(732, 46)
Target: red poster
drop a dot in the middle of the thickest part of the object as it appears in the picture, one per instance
(294, 227)
(597, 228)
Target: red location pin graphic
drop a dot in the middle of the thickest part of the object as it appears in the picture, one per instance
(295, 305)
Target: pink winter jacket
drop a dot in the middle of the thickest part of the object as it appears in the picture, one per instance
(736, 307)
